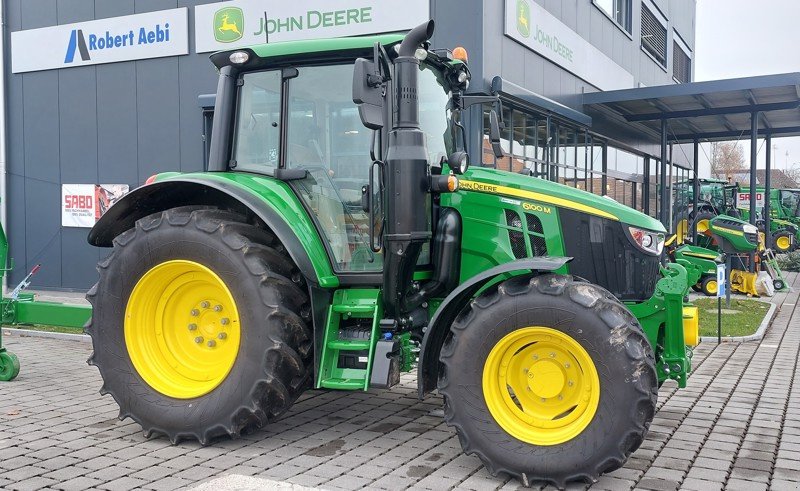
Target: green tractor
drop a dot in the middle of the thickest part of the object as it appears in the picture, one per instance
(340, 238)
(720, 198)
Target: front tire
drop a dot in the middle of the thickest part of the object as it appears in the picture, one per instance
(709, 286)
(783, 241)
(196, 327)
(518, 423)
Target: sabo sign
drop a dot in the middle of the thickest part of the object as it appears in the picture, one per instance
(131, 37)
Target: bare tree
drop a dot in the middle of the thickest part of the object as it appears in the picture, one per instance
(727, 158)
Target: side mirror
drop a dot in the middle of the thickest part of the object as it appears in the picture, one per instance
(369, 87)
(494, 134)
(367, 95)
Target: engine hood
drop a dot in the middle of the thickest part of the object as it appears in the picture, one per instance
(547, 193)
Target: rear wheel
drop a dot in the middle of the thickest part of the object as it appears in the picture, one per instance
(782, 241)
(538, 370)
(9, 366)
(196, 326)
(709, 286)
(702, 226)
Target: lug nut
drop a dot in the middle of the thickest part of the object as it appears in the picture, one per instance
(570, 383)
(204, 304)
(198, 339)
(195, 312)
(222, 335)
(552, 355)
(211, 343)
(218, 308)
(224, 321)
(192, 327)
(566, 365)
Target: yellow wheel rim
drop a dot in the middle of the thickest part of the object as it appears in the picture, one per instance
(682, 230)
(783, 243)
(702, 226)
(541, 386)
(182, 329)
(711, 287)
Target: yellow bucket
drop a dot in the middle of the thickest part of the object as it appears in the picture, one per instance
(691, 326)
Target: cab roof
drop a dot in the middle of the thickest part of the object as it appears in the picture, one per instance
(310, 47)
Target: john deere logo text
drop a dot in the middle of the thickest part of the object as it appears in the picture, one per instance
(523, 18)
(228, 24)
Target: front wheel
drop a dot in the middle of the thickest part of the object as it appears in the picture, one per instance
(783, 241)
(538, 370)
(709, 286)
(778, 284)
(9, 366)
(197, 327)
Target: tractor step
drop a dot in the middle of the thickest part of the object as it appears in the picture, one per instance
(343, 383)
(351, 333)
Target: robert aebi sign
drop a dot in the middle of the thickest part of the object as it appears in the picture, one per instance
(131, 37)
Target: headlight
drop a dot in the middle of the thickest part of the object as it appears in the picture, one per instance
(458, 162)
(749, 229)
(652, 242)
(239, 57)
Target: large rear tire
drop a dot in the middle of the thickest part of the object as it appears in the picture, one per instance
(548, 379)
(197, 327)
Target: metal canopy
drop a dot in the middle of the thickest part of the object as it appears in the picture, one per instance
(731, 109)
(714, 110)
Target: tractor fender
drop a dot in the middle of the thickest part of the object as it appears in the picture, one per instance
(163, 195)
(454, 303)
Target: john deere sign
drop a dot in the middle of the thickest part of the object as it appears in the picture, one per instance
(227, 25)
(531, 25)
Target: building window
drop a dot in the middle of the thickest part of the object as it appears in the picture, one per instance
(654, 36)
(681, 64)
(618, 10)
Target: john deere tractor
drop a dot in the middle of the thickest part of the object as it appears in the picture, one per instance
(339, 238)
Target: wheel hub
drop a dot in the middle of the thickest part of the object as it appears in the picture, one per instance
(541, 386)
(182, 329)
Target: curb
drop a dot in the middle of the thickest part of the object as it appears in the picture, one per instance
(756, 336)
(63, 336)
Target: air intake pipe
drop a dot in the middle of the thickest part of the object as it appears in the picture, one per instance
(406, 176)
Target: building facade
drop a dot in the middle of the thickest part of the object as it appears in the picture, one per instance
(82, 111)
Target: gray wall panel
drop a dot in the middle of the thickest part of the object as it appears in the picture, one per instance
(75, 11)
(117, 128)
(38, 13)
(77, 112)
(158, 114)
(104, 8)
(42, 232)
(41, 125)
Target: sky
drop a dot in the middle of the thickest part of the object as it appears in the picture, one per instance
(744, 38)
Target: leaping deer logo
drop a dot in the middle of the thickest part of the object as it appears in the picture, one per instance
(523, 18)
(228, 26)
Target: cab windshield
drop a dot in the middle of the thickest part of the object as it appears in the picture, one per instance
(325, 137)
(790, 202)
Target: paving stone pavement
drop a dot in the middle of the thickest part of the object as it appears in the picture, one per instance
(737, 427)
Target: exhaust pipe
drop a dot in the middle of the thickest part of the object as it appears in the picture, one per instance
(406, 178)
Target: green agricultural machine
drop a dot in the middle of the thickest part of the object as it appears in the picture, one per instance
(22, 308)
(730, 239)
(340, 238)
(719, 198)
